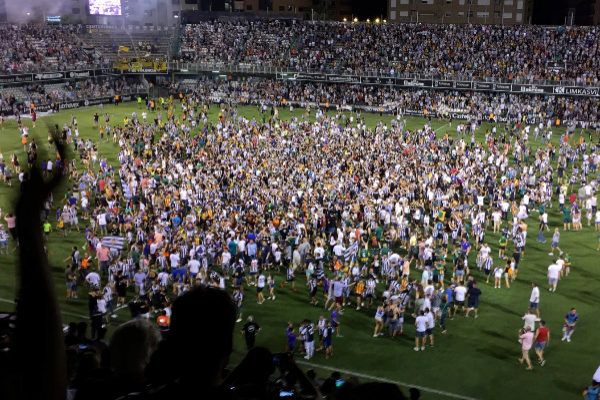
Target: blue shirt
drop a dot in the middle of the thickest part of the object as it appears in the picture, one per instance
(449, 294)
(291, 339)
(592, 393)
(251, 249)
(176, 221)
(571, 318)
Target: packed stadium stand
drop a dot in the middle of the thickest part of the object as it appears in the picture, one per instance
(487, 52)
(40, 48)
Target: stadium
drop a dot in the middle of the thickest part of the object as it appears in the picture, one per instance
(311, 199)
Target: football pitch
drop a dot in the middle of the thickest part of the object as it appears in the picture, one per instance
(476, 359)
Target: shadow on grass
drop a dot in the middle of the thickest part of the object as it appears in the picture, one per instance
(567, 386)
(498, 352)
(584, 296)
(506, 310)
(496, 335)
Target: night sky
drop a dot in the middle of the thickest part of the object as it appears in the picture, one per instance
(364, 9)
(545, 12)
(553, 12)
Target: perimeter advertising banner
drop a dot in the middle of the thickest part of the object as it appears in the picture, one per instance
(532, 89)
(51, 76)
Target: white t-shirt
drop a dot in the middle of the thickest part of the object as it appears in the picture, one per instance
(93, 279)
(596, 376)
(194, 266)
(554, 271)
(485, 251)
(319, 253)
(261, 281)
(529, 321)
(535, 295)
(460, 292)
(430, 320)
(163, 278)
(226, 257)
(101, 303)
(338, 250)
(421, 323)
(174, 258)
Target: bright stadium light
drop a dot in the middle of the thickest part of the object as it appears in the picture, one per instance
(355, 19)
(385, 21)
(368, 20)
(345, 19)
(377, 20)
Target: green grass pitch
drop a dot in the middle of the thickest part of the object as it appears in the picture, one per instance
(476, 359)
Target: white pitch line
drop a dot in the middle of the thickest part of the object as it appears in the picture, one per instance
(375, 378)
(443, 126)
(62, 312)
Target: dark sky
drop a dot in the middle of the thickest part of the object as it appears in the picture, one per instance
(545, 12)
(553, 12)
(364, 9)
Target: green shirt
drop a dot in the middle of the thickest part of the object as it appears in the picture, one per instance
(364, 254)
(444, 309)
(384, 250)
(47, 227)
(379, 233)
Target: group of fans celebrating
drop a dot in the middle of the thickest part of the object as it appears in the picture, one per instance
(382, 219)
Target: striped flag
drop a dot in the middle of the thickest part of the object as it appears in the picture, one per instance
(351, 251)
(114, 242)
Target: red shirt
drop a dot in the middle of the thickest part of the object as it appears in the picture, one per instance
(542, 334)
(572, 198)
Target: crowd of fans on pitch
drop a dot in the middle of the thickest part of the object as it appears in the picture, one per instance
(36, 48)
(485, 52)
(481, 105)
(381, 218)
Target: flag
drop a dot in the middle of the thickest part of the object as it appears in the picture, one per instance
(114, 242)
(351, 251)
(123, 49)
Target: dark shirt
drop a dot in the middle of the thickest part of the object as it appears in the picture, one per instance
(250, 329)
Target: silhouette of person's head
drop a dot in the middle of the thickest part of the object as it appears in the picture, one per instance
(201, 335)
(131, 346)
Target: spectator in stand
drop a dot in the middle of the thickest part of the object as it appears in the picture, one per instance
(460, 52)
